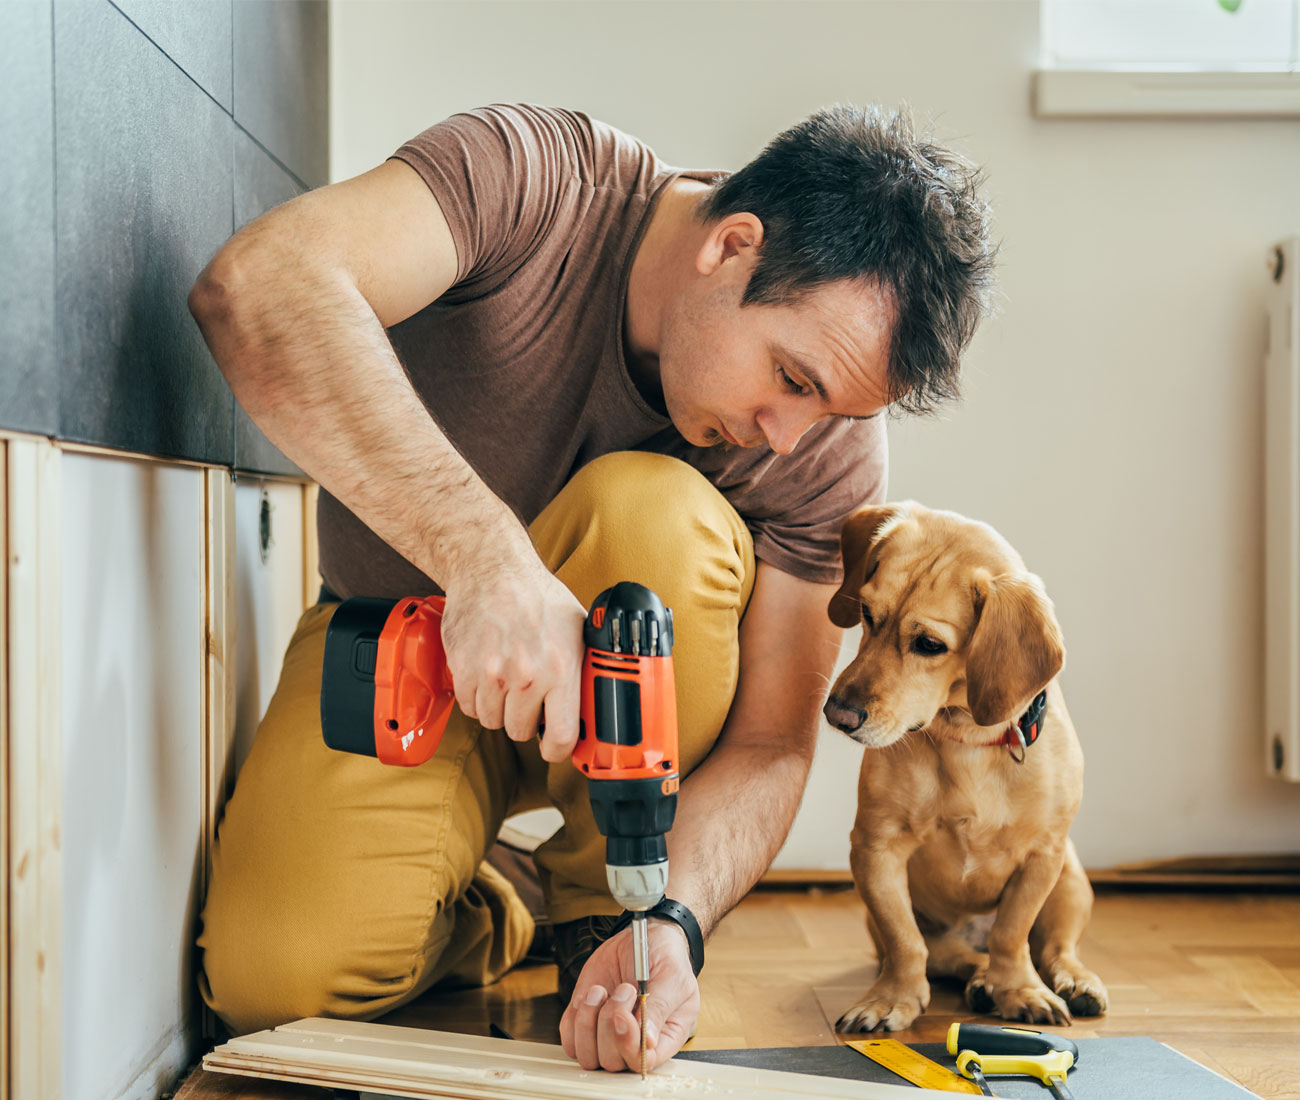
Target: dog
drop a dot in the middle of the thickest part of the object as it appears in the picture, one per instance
(971, 777)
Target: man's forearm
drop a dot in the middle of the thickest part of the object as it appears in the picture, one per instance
(308, 359)
(733, 814)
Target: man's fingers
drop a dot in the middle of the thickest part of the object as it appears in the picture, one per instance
(522, 713)
(566, 1030)
(585, 1018)
(561, 716)
(465, 697)
(665, 1043)
(489, 705)
(618, 1033)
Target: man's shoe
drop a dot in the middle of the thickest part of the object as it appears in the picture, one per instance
(575, 941)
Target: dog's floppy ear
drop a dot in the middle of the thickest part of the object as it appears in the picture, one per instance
(1016, 648)
(856, 536)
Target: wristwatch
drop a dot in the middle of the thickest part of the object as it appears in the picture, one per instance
(675, 911)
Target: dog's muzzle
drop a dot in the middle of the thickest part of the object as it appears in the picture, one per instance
(844, 716)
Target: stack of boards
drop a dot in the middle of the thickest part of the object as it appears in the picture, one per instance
(400, 1061)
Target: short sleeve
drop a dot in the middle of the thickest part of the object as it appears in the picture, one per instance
(501, 175)
(796, 518)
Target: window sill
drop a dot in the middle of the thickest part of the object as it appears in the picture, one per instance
(1112, 93)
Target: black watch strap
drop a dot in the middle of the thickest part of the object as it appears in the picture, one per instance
(675, 911)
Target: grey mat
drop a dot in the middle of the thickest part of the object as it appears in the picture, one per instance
(1108, 1069)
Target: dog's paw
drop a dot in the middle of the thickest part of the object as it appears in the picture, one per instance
(1028, 1004)
(979, 998)
(1080, 988)
(885, 1009)
(1032, 1005)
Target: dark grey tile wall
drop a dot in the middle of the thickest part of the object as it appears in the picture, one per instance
(28, 382)
(144, 197)
(123, 168)
(281, 74)
(193, 33)
(260, 184)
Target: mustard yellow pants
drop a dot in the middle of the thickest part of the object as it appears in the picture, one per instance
(344, 887)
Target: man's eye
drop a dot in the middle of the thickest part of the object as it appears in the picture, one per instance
(789, 382)
(927, 646)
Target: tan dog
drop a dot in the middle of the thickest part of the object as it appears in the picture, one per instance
(958, 642)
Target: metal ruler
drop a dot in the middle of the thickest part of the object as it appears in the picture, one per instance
(908, 1064)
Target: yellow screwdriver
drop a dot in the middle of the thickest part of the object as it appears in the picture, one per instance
(981, 1050)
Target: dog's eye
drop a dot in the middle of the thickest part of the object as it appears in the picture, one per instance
(927, 646)
(866, 617)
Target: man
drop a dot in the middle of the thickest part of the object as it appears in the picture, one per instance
(525, 360)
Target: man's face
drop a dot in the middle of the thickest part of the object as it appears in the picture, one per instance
(765, 374)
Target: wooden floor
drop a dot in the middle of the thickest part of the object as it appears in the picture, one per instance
(1216, 976)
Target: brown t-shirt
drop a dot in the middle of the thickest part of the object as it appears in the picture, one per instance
(521, 361)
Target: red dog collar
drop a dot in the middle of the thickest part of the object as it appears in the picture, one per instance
(1026, 729)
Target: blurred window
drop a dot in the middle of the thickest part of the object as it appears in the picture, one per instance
(1179, 35)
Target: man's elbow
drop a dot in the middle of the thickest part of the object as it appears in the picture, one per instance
(216, 294)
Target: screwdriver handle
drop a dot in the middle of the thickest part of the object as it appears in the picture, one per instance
(1049, 1068)
(1007, 1040)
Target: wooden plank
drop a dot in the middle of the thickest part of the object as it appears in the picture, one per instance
(34, 767)
(218, 657)
(415, 1063)
(6, 1004)
(219, 640)
(311, 578)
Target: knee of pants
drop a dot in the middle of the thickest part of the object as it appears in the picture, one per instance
(656, 520)
(270, 963)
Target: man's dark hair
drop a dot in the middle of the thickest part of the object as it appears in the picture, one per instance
(853, 193)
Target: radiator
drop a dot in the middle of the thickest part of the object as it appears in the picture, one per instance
(1282, 515)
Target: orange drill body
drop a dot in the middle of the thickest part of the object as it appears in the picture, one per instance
(635, 691)
(389, 654)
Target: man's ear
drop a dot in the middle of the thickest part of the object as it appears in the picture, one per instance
(1016, 648)
(729, 237)
(856, 539)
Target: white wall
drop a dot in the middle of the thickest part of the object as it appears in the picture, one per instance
(1112, 422)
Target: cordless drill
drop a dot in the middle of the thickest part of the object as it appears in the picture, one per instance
(386, 692)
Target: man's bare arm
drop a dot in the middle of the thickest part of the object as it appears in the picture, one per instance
(294, 308)
(735, 809)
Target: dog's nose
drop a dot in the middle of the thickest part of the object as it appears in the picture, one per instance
(843, 716)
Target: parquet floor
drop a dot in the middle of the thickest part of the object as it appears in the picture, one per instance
(1214, 975)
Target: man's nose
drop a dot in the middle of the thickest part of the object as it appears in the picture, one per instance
(783, 429)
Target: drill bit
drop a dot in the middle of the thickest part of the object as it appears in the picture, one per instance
(641, 966)
(642, 1000)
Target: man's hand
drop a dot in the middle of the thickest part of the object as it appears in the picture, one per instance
(600, 1028)
(513, 637)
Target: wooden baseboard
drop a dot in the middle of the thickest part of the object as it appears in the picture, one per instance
(792, 879)
(1281, 871)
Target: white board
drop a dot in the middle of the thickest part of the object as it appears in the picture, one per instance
(132, 660)
(268, 595)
